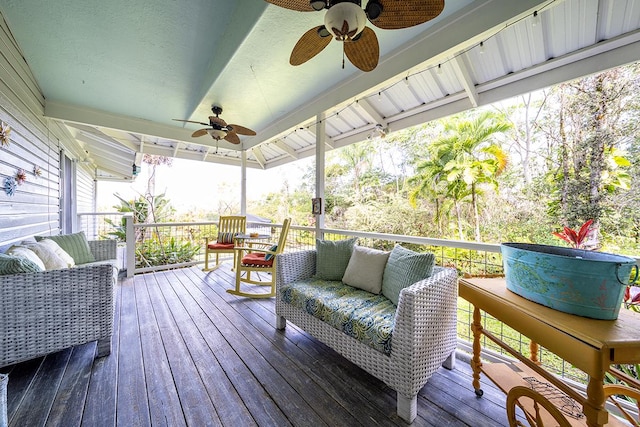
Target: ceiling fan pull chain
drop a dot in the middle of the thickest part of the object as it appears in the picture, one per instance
(343, 55)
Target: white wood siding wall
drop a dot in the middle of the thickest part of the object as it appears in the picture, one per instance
(35, 141)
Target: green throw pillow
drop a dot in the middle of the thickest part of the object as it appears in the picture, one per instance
(75, 245)
(273, 248)
(13, 265)
(404, 268)
(333, 257)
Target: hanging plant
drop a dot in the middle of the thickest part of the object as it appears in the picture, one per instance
(37, 171)
(5, 130)
(10, 185)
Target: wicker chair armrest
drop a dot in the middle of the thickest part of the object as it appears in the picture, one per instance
(104, 249)
(426, 316)
(294, 266)
(51, 310)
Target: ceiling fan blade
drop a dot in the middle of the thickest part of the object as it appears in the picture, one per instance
(232, 138)
(191, 121)
(199, 132)
(241, 130)
(299, 5)
(402, 14)
(364, 52)
(309, 45)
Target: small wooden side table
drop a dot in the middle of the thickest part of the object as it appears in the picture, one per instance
(589, 344)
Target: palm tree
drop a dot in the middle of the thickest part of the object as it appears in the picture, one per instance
(430, 183)
(465, 157)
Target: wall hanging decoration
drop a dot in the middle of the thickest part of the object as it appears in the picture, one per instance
(5, 130)
(10, 185)
(21, 176)
(37, 171)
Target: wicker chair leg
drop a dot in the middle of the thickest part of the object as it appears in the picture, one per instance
(450, 362)
(407, 407)
(104, 347)
(281, 322)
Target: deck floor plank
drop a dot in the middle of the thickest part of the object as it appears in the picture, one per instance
(20, 377)
(233, 327)
(73, 387)
(185, 352)
(42, 391)
(164, 403)
(247, 385)
(228, 403)
(100, 406)
(132, 404)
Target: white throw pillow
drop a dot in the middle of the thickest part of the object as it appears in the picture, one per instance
(24, 252)
(48, 256)
(59, 251)
(365, 269)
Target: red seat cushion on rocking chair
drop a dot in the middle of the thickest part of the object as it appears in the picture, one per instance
(215, 245)
(257, 259)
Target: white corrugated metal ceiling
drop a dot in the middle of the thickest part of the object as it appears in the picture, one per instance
(475, 53)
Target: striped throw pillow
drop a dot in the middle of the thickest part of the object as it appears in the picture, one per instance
(404, 268)
(10, 264)
(75, 245)
(226, 237)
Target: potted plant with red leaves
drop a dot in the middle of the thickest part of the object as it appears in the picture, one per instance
(575, 239)
(573, 280)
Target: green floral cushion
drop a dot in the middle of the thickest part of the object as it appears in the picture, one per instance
(333, 257)
(75, 245)
(367, 317)
(10, 264)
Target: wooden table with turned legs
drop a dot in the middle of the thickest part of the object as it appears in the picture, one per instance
(588, 344)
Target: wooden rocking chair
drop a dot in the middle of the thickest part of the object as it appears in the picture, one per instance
(259, 257)
(225, 242)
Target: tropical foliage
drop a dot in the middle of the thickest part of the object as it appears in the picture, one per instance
(508, 172)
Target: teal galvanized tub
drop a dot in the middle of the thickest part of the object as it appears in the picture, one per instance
(576, 281)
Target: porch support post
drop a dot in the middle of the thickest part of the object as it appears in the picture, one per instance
(320, 151)
(243, 184)
(131, 244)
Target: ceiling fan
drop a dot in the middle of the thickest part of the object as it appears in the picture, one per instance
(345, 20)
(219, 129)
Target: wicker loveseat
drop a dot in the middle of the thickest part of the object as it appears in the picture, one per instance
(48, 311)
(423, 335)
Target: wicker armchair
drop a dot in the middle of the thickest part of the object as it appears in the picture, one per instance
(45, 312)
(424, 336)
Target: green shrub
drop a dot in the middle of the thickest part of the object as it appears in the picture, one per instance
(157, 252)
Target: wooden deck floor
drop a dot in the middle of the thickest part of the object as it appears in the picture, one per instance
(187, 353)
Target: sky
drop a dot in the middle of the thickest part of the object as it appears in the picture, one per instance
(191, 185)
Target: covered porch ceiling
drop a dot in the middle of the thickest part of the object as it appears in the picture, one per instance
(116, 73)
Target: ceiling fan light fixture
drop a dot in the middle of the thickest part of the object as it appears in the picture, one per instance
(373, 9)
(323, 32)
(318, 4)
(217, 134)
(345, 21)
